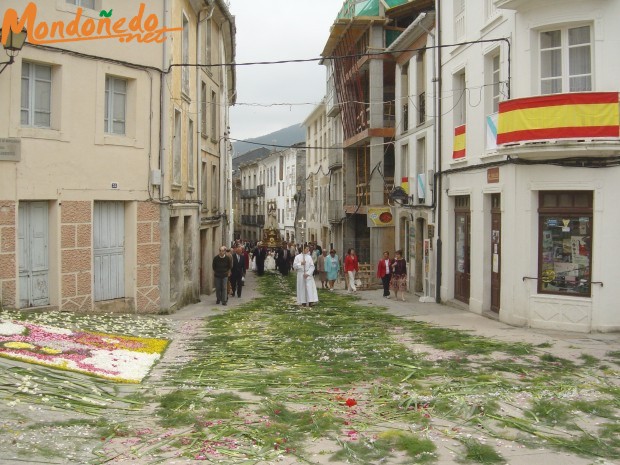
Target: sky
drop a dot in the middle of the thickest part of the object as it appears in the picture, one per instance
(272, 30)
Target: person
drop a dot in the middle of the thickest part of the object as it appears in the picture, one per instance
(270, 261)
(332, 267)
(306, 287)
(221, 269)
(383, 271)
(283, 260)
(237, 273)
(260, 253)
(351, 266)
(320, 265)
(399, 275)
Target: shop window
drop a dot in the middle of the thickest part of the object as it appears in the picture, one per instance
(565, 243)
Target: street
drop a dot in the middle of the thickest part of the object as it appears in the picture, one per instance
(356, 379)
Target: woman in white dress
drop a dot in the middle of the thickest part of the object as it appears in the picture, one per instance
(306, 287)
(270, 261)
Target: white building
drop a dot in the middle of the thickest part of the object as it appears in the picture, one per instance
(415, 154)
(529, 109)
(317, 176)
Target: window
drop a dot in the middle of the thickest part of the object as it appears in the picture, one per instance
(495, 85)
(421, 85)
(83, 3)
(214, 188)
(115, 105)
(176, 149)
(190, 154)
(565, 242)
(566, 60)
(460, 99)
(459, 19)
(203, 109)
(185, 52)
(36, 104)
(404, 94)
(420, 168)
(213, 115)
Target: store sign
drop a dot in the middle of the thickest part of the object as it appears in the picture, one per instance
(493, 175)
(380, 217)
(10, 149)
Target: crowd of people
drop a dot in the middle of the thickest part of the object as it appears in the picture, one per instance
(307, 261)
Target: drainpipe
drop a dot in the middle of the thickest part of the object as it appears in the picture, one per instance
(163, 107)
(438, 132)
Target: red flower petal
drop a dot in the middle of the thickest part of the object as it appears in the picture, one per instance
(351, 402)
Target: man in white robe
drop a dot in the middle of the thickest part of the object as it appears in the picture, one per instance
(306, 287)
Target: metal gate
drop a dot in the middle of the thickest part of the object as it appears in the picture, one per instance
(109, 250)
(33, 254)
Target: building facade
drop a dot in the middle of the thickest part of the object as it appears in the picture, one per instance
(100, 184)
(364, 83)
(78, 229)
(530, 143)
(317, 176)
(415, 152)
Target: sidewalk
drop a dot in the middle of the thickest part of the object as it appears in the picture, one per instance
(569, 345)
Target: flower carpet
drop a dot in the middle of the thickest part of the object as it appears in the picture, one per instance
(114, 357)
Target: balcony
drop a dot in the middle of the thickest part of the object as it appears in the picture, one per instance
(560, 125)
(248, 220)
(248, 193)
(335, 159)
(335, 211)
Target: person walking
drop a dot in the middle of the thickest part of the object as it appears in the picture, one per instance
(260, 254)
(383, 271)
(320, 265)
(399, 275)
(283, 259)
(332, 267)
(222, 264)
(351, 266)
(306, 287)
(237, 273)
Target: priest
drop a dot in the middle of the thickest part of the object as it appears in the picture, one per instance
(306, 287)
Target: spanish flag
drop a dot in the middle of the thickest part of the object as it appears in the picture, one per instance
(404, 183)
(559, 116)
(459, 142)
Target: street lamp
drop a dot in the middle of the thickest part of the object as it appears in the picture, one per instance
(13, 45)
(400, 195)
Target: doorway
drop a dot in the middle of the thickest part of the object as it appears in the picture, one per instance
(496, 251)
(462, 275)
(33, 237)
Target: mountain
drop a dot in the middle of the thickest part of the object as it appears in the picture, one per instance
(287, 136)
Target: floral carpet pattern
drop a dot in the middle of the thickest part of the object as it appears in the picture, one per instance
(114, 357)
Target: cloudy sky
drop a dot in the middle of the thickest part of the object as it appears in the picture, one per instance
(272, 30)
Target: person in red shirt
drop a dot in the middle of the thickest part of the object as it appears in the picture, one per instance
(351, 266)
(383, 272)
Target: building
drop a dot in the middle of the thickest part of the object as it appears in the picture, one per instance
(317, 178)
(525, 217)
(363, 77)
(102, 184)
(79, 229)
(415, 151)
